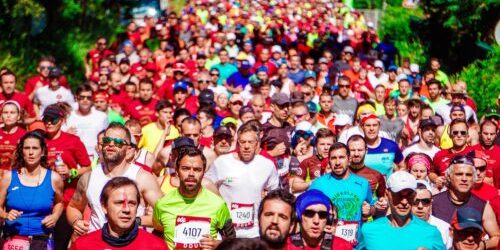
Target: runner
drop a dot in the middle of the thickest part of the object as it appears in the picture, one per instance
(191, 216)
(276, 216)
(10, 134)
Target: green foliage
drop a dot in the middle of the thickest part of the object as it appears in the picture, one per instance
(483, 80)
(367, 4)
(396, 22)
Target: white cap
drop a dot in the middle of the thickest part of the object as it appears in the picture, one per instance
(276, 49)
(401, 77)
(304, 126)
(348, 49)
(378, 64)
(370, 25)
(401, 180)
(231, 36)
(414, 68)
(342, 120)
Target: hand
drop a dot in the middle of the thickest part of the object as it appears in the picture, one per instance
(62, 169)
(13, 214)
(207, 242)
(381, 204)
(49, 221)
(366, 208)
(278, 150)
(440, 182)
(81, 227)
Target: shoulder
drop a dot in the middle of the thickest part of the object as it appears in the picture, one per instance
(152, 241)
(358, 178)
(167, 199)
(259, 159)
(85, 241)
(374, 226)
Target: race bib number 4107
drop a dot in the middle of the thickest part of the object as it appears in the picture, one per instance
(189, 230)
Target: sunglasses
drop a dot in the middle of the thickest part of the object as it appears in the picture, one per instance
(309, 63)
(212, 74)
(425, 202)
(201, 81)
(306, 93)
(311, 213)
(118, 142)
(83, 97)
(481, 168)
(344, 86)
(237, 103)
(45, 67)
(101, 43)
(51, 120)
(461, 132)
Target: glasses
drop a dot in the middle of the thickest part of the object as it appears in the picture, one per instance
(214, 74)
(84, 97)
(45, 67)
(481, 168)
(101, 43)
(307, 93)
(51, 120)
(344, 86)
(311, 213)
(237, 103)
(118, 142)
(203, 81)
(457, 132)
(425, 202)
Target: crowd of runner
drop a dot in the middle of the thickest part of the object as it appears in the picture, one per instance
(247, 125)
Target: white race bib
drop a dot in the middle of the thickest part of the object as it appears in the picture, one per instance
(189, 230)
(347, 230)
(16, 244)
(242, 215)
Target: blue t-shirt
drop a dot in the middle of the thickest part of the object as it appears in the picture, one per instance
(346, 194)
(237, 79)
(225, 70)
(383, 157)
(298, 77)
(380, 234)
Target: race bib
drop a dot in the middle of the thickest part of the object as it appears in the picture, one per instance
(189, 230)
(16, 244)
(242, 215)
(347, 230)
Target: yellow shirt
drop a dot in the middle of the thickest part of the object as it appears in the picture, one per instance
(151, 136)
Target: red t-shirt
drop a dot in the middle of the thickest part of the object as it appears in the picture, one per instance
(443, 158)
(143, 241)
(485, 191)
(492, 157)
(271, 67)
(22, 100)
(29, 87)
(166, 90)
(337, 243)
(144, 112)
(496, 177)
(310, 167)
(74, 155)
(8, 144)
(136, 67)
(94, 55)
(207, 141)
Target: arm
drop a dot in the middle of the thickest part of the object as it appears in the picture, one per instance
(161, 161)
(4, 184)
(490, 226)
(150, 160)
(57, 184)
(76, 206)
(151, 192)
(159, 147)
(298, 184)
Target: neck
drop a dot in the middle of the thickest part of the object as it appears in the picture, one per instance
(56, 87)
(458, 148)
(208, 130)
(275, 121)
(8, 95)
(32, 170)
(373, 142)
(399, 221)
(9, 128)
(311, 242)
(487, 147)
(84, 112)
(114, 168)
(425, 145)
(188, 194)
(116, 231)
(357, 166)
(390, 117)
(54, 135)
(458, 198)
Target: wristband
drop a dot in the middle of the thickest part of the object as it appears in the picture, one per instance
(73, 173)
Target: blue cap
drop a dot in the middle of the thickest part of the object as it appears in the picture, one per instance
(311, 197)
(261, 69)
(467, 217)
(312, 107)
(393, 68)
(180, 85)
(128, 42)
(245, 64)
(310, 74)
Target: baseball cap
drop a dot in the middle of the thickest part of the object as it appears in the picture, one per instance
(55, 72)
(180, 67)
(182, 142)
(455, 91)
(491, 112)
(378, 64)
(276, 49)
(311, 106)
(401, 77)
(125, 60)
(427, 123)
(222, 131)
(235, 98)
(467, 217)
(37, 125)
(180, 85)
(459, 107)
(261, 69)
(393, 68)
(245, 109)
(274, 137)
(310, 74)
(280, 99)
(245, 64)
(401, 180)
(323, 60)
(296, 96)
(53, 111)
(241, 56)
(231, 36)
(206, 97)
(348, 49)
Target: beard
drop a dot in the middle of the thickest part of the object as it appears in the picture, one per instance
(275, 243)
(114, 158)
(190, 188)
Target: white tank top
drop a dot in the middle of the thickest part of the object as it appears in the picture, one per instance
(96, 183)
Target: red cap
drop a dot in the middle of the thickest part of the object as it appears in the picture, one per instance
(100, 95)
(37, 125)
(368, 117)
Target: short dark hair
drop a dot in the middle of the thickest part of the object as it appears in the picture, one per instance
(117, 125)
(323, 133)
(337, 146)
(146, 81)
(249, 127)
(356, 138)
(180, 112)
(209, 112)
(434, 81)
(282, 195)
(83, 88)
(162, 104)
(191, 152)
(458, 121)
(115, 183)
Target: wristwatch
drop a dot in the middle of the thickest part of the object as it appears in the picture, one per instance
(138, 221)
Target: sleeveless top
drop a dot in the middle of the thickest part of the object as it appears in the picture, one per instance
(445, 141)
(141, 158)
(166, 184)
(96, 183)
(35, 202)
(444, 209)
